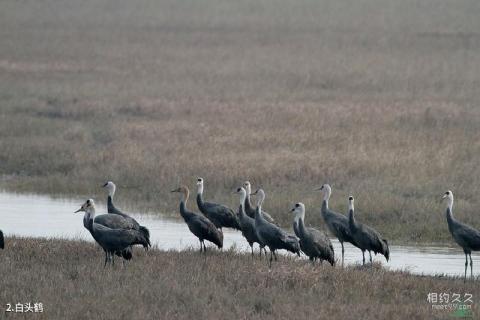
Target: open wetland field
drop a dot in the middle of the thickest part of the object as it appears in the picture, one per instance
(69, 279)
(377, 98)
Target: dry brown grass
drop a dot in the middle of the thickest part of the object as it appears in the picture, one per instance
(378, 98)
(69, 279)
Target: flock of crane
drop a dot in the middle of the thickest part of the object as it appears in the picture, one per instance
(116, 232)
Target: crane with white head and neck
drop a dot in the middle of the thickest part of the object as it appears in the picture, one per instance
(365, 237)
(464, 235)
(336, 223)
(271, 235)
(314, 243)
(221, 216)
(114, 235)
(247, 224)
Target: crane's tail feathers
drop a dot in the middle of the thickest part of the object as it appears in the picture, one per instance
(386, 250)
(127, 253)
(146, 234)
(332, 261)
(219, 241)
(293, 245)
(331, 258)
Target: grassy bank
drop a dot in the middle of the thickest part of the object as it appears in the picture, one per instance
(69, 279)
(378, 98)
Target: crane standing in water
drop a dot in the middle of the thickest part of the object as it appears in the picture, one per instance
(271, 235)
(199, 225)
(467, 237)
(337, 223)
(366, 238)
(247, 224)
(314, 243)
(220, 215)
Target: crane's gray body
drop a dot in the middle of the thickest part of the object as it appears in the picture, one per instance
(220, 215)
(201, 226)
(112, 240)
(273, 237)
(314, 243)
(367, 239)
(337, 224)
(134, 224)
(464, 235)
(247, 226)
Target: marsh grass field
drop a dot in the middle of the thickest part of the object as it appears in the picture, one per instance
(378, 98)
(69, 279)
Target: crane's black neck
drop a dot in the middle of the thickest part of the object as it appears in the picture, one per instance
(88, 224)
(301, 227)
(241, 211)
(111, 207)
(200, 202)
(248, 204)
(295, 228)
(450, 219)
(351, 220)
(324, 207)
(258, 216)
(184, 211)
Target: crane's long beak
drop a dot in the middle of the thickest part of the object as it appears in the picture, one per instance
(105, 185)
(81, 209)
(317, 189)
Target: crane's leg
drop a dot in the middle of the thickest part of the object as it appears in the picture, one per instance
(370, 253)
(204, 247)
(343, 251)
(363, 253)
(275, 255)
(201, 247)
(466, 265)
(471, 265)
(251, 247)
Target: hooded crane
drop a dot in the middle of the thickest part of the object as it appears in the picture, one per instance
(337, 223)
(247, 224)
(200, 226)
(220, 215)
(110, 239)
(467, 237)
(2, 241)
(365, 237)
(271, 235)
(249, 209)
(314, 243)
(111, 187)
